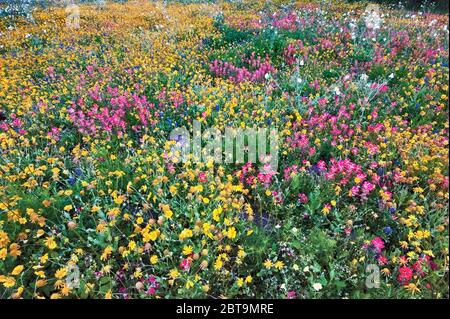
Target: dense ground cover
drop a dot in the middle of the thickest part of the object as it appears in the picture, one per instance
(88, 181)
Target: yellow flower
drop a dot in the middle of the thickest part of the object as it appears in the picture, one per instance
(3, 253)
(154, 259)
(167, 212)
(411, 287)
(189, 284)
(119, 199)
(240, 282)
(153, 235)
(68, 208)
(248, 279)
(46, 203)
(17, 270)
(55, 296)
(231, 232)
(95, 209)
(108, 295)
(106, 253)
(268, 264)
(185, 233)
(61, 273)
(137, 273)
(132, 245)
(173, 189)
(173, 273)
(43, 259)
(187, 250)
(41, 283)
(51, 243)
(218, 264)
(9, 282)
(279, 264)
(18, 293)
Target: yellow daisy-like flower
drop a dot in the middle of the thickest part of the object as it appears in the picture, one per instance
(17, 270)
(268, 264)
(51, 243)
(187, 250)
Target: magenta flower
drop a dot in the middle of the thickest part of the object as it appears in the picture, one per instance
(378, 244)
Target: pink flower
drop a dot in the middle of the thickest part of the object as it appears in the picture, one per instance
(405, 274)
(202, 177)
(291, 294)
(302, 198)
(382, 260)
(186, 264)
(377, 244)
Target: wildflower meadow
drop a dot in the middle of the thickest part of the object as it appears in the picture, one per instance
(273, 149)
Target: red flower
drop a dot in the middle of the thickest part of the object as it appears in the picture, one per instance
(405, 274)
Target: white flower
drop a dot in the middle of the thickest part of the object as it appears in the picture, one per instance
(306, 269)
(299, 80)
(391, 76)
(317, 286)
(302, 63)
(295, 267)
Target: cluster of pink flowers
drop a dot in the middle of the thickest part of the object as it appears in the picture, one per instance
(300, 141)
(256, 71)
(344, 170)
(89, 122)
(288, 22)
(153, 285)
(250, 176)
(54, 133)
(291, 52)
(92, 119)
